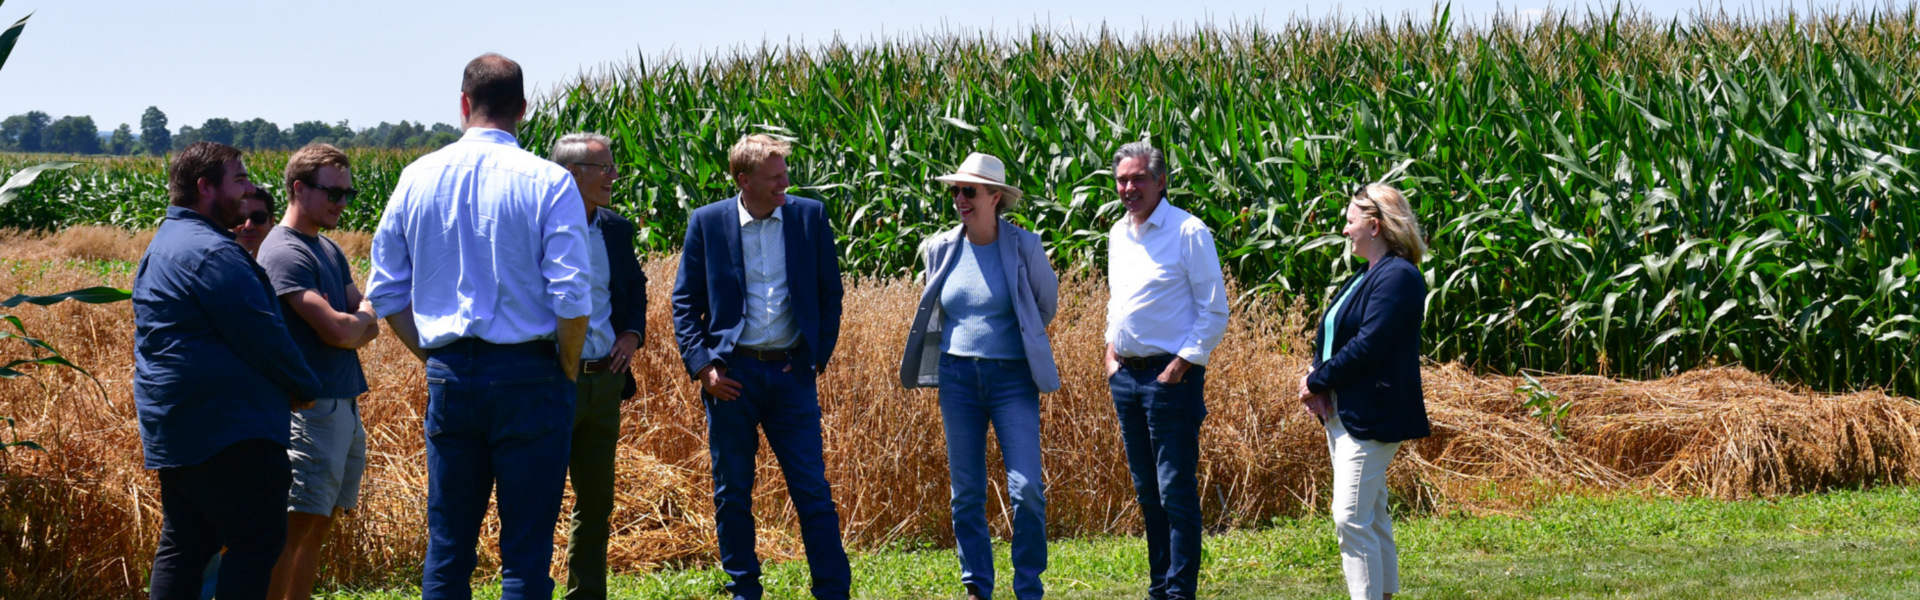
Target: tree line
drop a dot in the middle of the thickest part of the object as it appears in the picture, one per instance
(36, 131)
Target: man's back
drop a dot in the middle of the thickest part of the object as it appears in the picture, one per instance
(484, 240)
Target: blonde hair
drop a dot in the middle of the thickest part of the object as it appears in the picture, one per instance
(1398, 226)
(752, 150)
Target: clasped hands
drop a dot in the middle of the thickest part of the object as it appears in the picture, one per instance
(1318, 404)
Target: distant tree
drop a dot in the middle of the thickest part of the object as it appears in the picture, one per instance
(73, 135)
(122, 142)
(217, 130)
(258, 134)
(154, 137)
(24, 133)
(305, 132)
(187, 137)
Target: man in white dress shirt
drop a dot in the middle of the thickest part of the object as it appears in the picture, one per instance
(481, 267)
(1167, 313)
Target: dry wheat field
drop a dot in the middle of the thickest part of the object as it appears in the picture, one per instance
(85, 514)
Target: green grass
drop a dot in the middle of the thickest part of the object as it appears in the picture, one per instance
(1853, 544)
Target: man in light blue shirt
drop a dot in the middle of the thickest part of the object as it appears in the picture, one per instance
(481, 267)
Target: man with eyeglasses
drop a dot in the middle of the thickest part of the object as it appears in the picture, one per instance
(615, 328)
(329, 320)
(258, 208)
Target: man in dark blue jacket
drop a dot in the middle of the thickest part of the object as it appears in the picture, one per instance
(756, 309)
(215, 379)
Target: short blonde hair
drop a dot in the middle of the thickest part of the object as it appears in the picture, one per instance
(752, 150)
(1398, 226)
(305, 164)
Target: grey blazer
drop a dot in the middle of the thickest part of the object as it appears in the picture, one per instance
(1035, 299)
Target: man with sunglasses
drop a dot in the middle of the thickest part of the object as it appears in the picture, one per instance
(258, 208)
(329, 320)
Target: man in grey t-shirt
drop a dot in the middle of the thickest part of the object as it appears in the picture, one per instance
(315, 283)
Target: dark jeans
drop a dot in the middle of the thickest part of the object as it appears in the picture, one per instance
(1161, 426)
(973, 394)
(236, 499)
(495, 415)
(786, 406)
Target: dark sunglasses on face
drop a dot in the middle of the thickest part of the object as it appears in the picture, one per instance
(965, 190)
(335, 195)
(259, 218)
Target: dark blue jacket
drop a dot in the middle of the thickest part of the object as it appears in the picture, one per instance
(709, 295)
(213, 363)
(1375, 367)
(627, 283)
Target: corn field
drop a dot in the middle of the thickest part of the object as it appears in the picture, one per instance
(1604, 193)
(131, 192)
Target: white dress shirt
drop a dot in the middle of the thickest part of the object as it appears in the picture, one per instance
(1168, 295)
(485, 241)
(769, 312)
(599, 342)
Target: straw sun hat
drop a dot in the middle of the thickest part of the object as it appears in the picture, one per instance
(986, 170)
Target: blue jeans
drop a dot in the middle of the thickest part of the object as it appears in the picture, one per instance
(495, 415)
(973, 394)
(785, 404)
(1161, 427)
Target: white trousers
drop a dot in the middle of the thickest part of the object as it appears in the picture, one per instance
(1360, 519)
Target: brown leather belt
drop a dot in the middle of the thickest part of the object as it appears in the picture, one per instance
(1142, 363)
(596, 366)
(763, 355)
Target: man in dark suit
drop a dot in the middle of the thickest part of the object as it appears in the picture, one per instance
(615, 329)
(756, 309)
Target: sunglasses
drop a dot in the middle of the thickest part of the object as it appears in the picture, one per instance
(335, 195)
(965, 190)
(259, 218)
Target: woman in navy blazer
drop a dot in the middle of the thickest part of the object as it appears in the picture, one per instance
(1365, 382)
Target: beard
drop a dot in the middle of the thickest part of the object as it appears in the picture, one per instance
(227, 211)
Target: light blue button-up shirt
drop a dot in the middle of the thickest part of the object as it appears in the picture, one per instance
(484, 240)
(769, 312)
(599, 341)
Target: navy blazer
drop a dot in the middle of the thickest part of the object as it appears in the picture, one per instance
(627, 283)
(1375, 367)
(709, 295)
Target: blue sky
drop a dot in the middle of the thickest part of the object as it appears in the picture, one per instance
(368, 61)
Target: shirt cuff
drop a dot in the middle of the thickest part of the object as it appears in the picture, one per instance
(1195, 356)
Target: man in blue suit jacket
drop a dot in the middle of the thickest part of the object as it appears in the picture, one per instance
(756, 309)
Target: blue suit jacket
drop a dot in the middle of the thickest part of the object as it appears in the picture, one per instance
(709, 295)
(1375, 367)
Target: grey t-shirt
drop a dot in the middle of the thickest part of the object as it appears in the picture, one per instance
(294, 262)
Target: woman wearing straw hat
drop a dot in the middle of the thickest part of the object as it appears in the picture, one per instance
(1364, 384)
(980, 337)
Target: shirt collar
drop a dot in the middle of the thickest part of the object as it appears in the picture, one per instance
(1157, 220)
(187, 214)
(489, 135)
(747, 217)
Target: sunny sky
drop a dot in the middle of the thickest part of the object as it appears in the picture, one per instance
(368, 61)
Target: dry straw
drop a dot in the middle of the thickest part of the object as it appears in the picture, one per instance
(87, 506)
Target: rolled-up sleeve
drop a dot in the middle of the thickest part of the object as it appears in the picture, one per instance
(565, 262)
(390, 284)
(1202, 264)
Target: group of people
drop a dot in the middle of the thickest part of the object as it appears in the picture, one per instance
(511, 279)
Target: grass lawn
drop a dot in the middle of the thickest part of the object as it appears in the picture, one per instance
(1837, 545)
